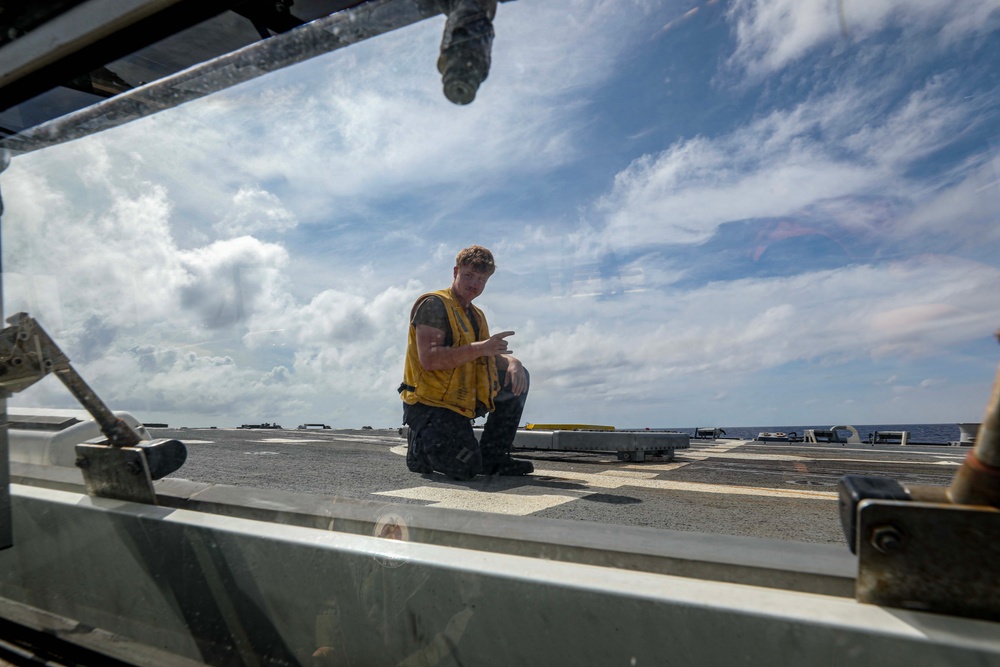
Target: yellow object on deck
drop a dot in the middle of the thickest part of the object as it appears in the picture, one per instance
(568, 427)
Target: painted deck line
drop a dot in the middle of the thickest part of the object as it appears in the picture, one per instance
(602, 481)
(291, 441)
(505, 502)
(631, 474)
(521, 502)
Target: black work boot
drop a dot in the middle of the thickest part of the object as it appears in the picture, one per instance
(416, 460)
(509, 466)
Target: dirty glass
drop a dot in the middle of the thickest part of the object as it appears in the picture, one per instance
(704, 214)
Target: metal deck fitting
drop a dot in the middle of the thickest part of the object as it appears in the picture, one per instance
(628, 445)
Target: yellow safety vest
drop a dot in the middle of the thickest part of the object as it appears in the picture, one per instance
(458, 389)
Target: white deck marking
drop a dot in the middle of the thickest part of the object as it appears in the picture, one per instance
(290, 440)
(631, 474)
(701, 453)
(197, 442)
(740, 456)
(514, 504)
(377, 437)
(521, 501)
(609, 482)
(895, 463)
(659, 467)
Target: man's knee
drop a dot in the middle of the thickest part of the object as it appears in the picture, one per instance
(461, 462)
(505, 394)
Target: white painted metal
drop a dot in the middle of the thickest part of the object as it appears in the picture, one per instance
(213, 588)
(58, 448)
(71, 31)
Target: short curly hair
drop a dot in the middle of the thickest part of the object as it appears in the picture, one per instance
(478, 257)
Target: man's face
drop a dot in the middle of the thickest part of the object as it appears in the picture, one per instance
(469, 283)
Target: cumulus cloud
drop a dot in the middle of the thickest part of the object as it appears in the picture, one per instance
(253, 211)
(175, 221)
(233, 281)
(731, 330)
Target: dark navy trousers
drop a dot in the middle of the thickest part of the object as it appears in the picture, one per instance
(442, 440)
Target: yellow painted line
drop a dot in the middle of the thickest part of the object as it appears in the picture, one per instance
(518, 502)
(759, 457)
(568, 427)
(895, 463)
(605, 482)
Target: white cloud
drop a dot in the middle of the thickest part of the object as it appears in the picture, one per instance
(685, 193)
(820, 153)
(343, 132)
(163, 223)
(234, 281)
(253, 211)
(773, 33)
(638, 347)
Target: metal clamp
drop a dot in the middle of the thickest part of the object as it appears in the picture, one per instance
(931, 557)
(125, 466)
(931, 548)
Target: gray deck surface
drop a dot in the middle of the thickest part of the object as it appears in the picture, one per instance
(780, 491)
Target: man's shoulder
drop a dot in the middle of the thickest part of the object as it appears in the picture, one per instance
(430, 310)
(439, 296)
(431, 300)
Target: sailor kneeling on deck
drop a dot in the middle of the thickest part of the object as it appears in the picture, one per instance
(456, 371)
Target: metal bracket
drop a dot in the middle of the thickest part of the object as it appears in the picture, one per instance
(123, 468)
(931, 557)
(116, 472)
(931, 548)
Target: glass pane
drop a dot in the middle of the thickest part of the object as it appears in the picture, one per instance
(758, 216)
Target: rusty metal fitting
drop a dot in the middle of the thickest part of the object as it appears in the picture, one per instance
(987, 447)
(975, 483)
(120, 434)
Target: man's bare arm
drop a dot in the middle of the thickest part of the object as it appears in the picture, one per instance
(434, 356)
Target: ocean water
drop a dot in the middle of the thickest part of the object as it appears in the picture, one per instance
(928, 433)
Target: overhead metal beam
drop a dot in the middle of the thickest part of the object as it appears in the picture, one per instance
(316, 38)
(87, 36)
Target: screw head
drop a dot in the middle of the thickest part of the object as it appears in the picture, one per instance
(887, 539)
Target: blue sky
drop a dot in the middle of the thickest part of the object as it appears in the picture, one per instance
(704, 213)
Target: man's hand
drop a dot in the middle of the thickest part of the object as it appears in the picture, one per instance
(494, 345)
(515, 376)
(434, 356)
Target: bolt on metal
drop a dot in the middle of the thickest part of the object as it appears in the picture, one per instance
(887, 539)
